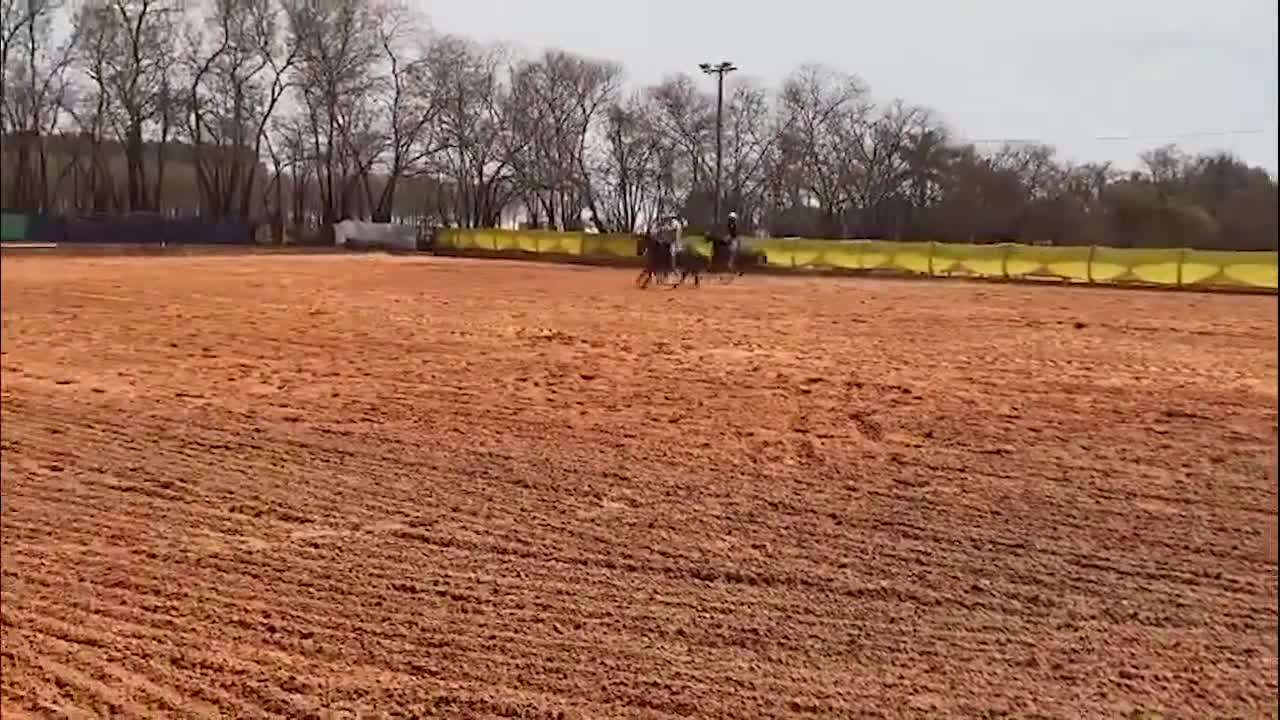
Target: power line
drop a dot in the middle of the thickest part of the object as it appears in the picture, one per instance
(1116, 138)
(1179, 136)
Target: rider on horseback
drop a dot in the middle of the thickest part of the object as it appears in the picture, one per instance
(676, 242)
(732, 227)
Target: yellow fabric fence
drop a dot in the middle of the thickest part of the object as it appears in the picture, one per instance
(1084, 264)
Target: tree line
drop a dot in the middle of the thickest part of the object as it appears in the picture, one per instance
(307, 111)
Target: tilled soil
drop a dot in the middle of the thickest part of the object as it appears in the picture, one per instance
(365, 486)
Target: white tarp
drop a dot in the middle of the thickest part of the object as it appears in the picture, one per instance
(355, 234)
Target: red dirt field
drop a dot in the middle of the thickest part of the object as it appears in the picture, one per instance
(361, 486)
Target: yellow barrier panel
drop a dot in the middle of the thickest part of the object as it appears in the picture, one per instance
(467, 240)
(1065, 262)
(699, 244)
(1255, 269)
(776, 250)
(461, 239)
(1201, 266)
(445, 238)
(984, 260)
(1225, 267)
(874, 254)
(1164, 266)
(563, 244)
(507, 240)
(914, 257)
(1155, 265)
(810, 253)
(616, 246)
(530, 241)
(844, 255)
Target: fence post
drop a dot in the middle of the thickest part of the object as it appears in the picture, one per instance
(1182, 256)
(1088, 266)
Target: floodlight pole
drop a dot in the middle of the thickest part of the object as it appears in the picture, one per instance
(719, 70)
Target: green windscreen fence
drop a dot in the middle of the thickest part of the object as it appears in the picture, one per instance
(13, 227)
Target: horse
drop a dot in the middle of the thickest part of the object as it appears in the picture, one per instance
(728, 263)
(659, 263)
(749, 257)
(723, 258)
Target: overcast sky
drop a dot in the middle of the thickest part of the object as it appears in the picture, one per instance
(1066, 72)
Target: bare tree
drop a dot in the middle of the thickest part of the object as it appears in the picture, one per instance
(822, 114)
(628, 167)
(137, 76)
(1035, 164)
(337, 47)
(685, 117)
(1168, 168)
(17, 18)
(294, 156)
(880, 149)
(34, 86)
(238, 74)
(98, 36)
(750, 145)
(476, 155)
(409, 107)
(554, 106)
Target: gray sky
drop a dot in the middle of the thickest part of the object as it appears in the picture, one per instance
(1064, 72)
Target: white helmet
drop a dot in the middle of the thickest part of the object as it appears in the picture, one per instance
(733, 215)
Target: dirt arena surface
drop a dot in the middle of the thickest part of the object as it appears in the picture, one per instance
(365, 486)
